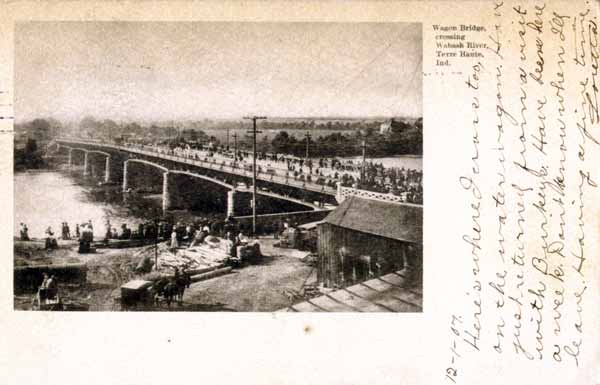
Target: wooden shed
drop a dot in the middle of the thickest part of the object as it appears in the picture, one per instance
(365, 238)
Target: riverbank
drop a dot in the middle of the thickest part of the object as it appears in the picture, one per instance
(107, 270)
(265, 286)
(48, 198)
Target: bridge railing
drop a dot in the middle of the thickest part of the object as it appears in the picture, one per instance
(345, 192)
(213, 165)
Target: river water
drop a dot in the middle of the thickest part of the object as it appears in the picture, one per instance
(45, 199)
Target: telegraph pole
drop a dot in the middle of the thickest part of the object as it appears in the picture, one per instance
(254, 132)
(227, 138)
(235, 135)
(362, 169)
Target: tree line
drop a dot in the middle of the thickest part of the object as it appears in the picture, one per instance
(346, 139)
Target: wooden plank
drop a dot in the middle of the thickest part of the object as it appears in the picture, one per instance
(329, 304)
(395, 279)
(357, 302)
(210, 274)
(396, 303)
(347, 304)
(396, 282)
(416, 289)
(364, 294)
(399, 293)
(306, 307)
(408, 297)
(137, 284)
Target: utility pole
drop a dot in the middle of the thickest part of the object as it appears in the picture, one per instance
(254, 132)
(307, 136)
(362, 170)
(235, 136)
(227, 138)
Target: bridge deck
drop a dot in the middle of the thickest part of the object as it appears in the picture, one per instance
(227, 168)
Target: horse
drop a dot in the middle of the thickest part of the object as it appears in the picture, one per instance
(182, 282)
(172, 288)
(165, 288)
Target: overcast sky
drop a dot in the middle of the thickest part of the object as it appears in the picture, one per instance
(166, 71)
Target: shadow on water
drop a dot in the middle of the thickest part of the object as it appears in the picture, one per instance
(141, 206)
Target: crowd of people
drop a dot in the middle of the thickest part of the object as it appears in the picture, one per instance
(406, 183)
(400, 181)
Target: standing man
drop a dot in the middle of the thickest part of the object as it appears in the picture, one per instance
(91, 230)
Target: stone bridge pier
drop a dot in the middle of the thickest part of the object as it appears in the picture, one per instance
(175, 186)
(98, 157)
(184, 189)
(90, 158)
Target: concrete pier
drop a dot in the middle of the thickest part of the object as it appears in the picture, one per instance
(230, 203)
(85, 163)
(107, 170)
(125, 164)
(166, 196)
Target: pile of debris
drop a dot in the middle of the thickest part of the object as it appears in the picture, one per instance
(212, 250)
(213, 253)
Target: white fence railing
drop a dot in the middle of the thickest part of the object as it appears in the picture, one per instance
(345, 192)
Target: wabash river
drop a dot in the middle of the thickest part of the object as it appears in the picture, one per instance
(49, 198)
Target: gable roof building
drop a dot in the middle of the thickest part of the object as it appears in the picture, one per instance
(363, 237)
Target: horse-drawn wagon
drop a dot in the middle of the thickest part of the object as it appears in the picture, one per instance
(143, 293)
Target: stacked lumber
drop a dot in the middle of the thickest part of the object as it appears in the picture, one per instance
(212, 253)
(213, 250)
(179, 260)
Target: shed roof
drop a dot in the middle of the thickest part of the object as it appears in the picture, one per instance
(403, 222)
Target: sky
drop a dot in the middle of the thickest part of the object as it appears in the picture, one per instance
(144, 71)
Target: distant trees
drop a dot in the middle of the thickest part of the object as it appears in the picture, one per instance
(28, 157)
(108, 128)
(402, 139)
(283, 143)
(330, 137)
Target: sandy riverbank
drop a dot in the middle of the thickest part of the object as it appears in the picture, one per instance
(261, 287)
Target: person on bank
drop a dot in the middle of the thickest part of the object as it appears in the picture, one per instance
(24, 231)
(51, 242)
(48, 289)
(174, 241)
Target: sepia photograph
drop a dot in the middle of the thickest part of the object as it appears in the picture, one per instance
(218, 166)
